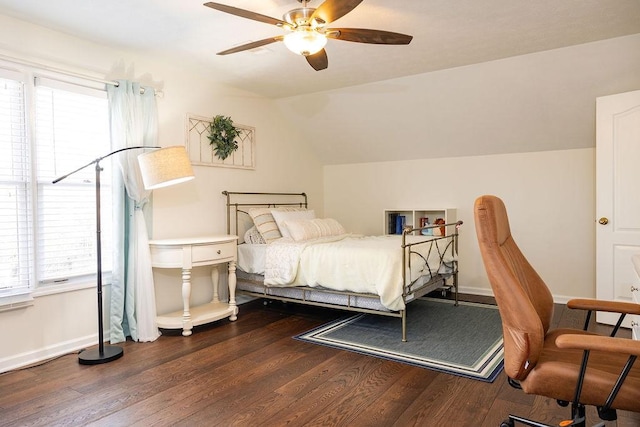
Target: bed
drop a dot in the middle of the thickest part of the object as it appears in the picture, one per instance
(286, 253)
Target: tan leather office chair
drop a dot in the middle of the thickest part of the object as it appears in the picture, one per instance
(569, 365)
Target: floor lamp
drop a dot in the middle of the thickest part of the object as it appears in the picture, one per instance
(159, 168)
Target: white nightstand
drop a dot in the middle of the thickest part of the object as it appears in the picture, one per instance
(194, 252)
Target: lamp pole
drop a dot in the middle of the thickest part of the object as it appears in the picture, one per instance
(102, 354)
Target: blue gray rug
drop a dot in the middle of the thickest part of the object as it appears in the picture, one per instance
(465, 340)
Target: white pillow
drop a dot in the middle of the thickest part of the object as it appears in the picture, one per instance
(282, 217)
(253, 236)
(307, 229)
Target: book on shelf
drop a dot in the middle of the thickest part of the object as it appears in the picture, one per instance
(401, 220)
(391, 226)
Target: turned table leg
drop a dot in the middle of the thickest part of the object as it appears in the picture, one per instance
(215, 281)
(232, 291)
(187, 326)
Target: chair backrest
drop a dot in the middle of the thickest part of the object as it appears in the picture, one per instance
(524, 301)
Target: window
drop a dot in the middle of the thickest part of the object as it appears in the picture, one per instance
(15, 201)
(49, 128)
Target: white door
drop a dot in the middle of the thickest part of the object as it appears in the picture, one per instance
(617, 197)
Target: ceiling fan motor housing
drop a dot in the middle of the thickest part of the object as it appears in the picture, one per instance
(300, 17)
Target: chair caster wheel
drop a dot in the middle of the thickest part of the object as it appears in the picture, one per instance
(507, 423)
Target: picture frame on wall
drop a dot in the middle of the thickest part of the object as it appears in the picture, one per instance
(202, 153)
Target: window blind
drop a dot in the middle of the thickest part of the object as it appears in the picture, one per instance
(15, 201)
(72, 129)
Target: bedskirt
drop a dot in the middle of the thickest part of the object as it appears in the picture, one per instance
(253, 284)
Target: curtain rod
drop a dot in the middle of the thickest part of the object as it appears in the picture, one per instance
(65, 72)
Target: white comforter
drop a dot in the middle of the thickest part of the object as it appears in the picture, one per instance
(363, 264)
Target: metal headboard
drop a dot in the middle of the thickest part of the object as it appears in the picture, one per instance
(239, 202)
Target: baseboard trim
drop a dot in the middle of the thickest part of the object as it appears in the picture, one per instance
(41, 355)
(558, 299)
(475, 291)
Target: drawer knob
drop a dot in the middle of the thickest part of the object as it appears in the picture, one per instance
(634, 324)
(634, 289)
(219, 251)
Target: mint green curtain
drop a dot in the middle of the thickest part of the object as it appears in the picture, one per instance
(134, 122)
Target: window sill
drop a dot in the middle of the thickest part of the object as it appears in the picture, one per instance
(21, 301)
(67, 287)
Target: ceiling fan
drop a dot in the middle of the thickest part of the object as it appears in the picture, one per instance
(306, 32)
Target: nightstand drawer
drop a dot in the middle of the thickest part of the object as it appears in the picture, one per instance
(192, 252)
(213, 252)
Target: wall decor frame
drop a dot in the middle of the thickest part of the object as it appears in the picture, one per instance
(202, 153)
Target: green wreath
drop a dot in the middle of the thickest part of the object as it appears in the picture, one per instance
(222, 136)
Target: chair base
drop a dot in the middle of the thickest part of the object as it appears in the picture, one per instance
(577, 412)
(511, 422)
(579, 422)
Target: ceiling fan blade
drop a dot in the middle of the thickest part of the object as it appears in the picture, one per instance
(247, 14)
(362, 35)
(331, 10)
(251, 45)
(318, 61)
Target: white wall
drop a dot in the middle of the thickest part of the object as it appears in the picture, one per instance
(537, 102)
(550, 197)
(58, 323)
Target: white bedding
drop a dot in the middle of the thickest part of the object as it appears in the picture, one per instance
(251, 257)
(363, 264)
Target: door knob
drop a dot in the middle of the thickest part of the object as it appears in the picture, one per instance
(603, 221)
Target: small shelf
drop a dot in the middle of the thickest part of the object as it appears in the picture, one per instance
(200, 315)
(412, 218)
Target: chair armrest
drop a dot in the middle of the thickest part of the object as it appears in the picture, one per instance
(602, 305)
(599, 343)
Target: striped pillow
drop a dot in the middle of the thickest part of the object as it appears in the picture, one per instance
(307, 229)
(266, 224)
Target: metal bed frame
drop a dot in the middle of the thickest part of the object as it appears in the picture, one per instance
(306, 293)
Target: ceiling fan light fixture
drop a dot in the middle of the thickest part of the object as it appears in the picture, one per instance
(305, 41)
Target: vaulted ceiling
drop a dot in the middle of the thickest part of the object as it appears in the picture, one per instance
(447, 33)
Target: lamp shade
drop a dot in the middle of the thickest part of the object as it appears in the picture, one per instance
(165, 167)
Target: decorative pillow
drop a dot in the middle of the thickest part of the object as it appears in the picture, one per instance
(307, 229)
(266, 224)
(281, 217)
(253, 236)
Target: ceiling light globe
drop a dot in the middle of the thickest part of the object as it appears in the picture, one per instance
(305, 42)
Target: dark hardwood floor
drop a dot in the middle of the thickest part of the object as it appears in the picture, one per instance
(252, 373)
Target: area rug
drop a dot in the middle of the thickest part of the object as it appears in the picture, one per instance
(464, 340)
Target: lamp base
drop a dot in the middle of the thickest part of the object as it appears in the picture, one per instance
(95, 357)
